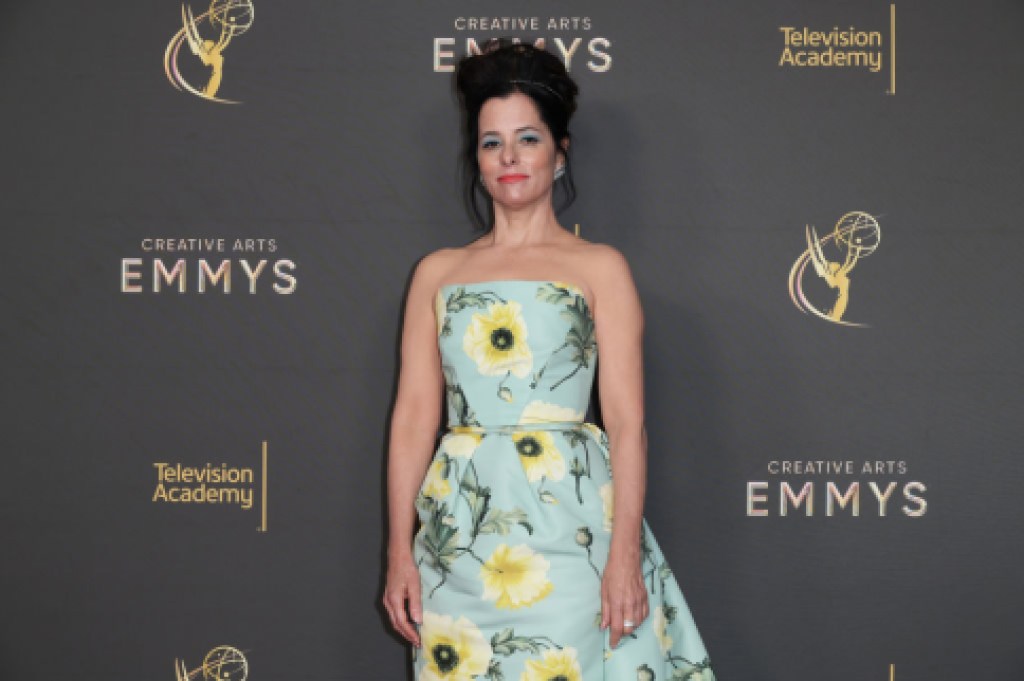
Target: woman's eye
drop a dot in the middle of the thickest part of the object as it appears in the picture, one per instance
(493, 142)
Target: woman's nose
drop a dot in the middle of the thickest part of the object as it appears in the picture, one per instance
(508, 154)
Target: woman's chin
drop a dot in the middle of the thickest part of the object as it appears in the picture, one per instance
(516, 199)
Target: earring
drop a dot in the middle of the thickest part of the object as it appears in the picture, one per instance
(559, 171)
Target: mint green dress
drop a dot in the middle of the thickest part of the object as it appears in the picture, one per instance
(516, 506)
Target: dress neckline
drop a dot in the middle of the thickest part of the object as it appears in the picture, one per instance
(516, 281)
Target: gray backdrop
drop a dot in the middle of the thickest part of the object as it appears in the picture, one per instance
(697, 155)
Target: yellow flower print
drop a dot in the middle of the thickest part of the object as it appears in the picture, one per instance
(571, 288)
(556, 664)
(462, 445)
(440, 311)
(515, 576)
(701, 675)
(538, 454)
(660, 624)
(435, 485)
(607, 492)
(496, 341)
(539, 411)
(455, 650)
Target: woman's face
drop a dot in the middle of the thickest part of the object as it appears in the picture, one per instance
(516, 151)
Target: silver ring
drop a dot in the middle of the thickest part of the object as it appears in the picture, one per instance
(628, 623)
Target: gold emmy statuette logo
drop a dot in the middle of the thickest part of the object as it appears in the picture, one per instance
(223, 663)
(229, 18)
(856, 235)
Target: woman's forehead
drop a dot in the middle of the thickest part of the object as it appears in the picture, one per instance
(513, 111)
(514, 103)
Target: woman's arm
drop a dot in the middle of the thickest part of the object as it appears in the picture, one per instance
(413, 435)
(417, 412)
(619, 328)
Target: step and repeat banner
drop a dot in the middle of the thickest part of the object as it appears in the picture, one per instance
(211, 213)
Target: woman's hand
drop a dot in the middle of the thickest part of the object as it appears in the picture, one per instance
(623, 597)
(403, 584)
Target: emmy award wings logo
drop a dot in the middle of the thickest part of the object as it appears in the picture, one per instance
(229, 18)
(223, 663)
(855, 236)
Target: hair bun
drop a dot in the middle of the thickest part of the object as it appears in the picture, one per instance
(504, 66)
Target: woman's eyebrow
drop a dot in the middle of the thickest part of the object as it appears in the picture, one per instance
(525, 127)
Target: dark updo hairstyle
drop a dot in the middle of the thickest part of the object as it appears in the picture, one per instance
(503, 67)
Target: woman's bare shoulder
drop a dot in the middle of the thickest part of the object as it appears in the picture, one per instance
(430, 268)
(604, 264)
(443, 257)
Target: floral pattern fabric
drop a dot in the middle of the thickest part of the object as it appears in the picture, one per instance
(516, 506)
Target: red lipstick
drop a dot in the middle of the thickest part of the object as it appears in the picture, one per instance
(512, 178)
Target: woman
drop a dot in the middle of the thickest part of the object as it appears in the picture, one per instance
(523, 568)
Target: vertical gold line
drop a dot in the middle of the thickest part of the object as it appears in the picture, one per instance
(264, 527)
(892, 48)
(577, 229)
(892, 671)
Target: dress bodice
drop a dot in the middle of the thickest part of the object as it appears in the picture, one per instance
(515, 351)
